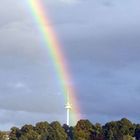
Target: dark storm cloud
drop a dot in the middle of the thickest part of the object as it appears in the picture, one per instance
(100, 39)
(104, 55)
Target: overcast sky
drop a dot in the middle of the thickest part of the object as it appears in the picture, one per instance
(101, 42)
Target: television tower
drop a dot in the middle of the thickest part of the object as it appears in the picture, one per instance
(68, 108)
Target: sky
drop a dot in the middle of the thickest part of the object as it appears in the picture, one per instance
(100, 41)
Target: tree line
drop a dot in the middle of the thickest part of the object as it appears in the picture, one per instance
(83, 130)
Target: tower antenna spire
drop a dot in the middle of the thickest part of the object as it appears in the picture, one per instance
(68, 108)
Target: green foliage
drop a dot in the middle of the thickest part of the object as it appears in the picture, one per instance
(84, 130)
(127, 137)
(56, 132)
(15, 133)
(30, 135)
(2, 135)
(26, 128)
(117, 130)
(97, 133)
(28, 132)
(42, 129)
(69, 131)
(137, 132)
(126, 127)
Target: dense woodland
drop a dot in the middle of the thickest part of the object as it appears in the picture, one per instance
(84, 130)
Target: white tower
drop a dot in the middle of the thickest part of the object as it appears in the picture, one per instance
(68, 108)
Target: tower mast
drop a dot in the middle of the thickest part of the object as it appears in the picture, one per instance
(68, 108)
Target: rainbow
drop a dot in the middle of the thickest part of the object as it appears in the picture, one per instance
(56, 53)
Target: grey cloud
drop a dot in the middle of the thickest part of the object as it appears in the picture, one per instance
(100, 40)
(24, 117)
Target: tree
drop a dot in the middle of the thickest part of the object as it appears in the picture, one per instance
(137, 132)
(126, 127)
(56, 132)
(15, 133)
(97, 133)
(127, 137)
(83, 130)
(68, 131)
(28, 133)
(42, 129)
(3, 135)
(118, 130)
(26, 128)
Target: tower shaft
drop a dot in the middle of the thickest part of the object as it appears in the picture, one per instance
(68, 107)
(68, 116)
